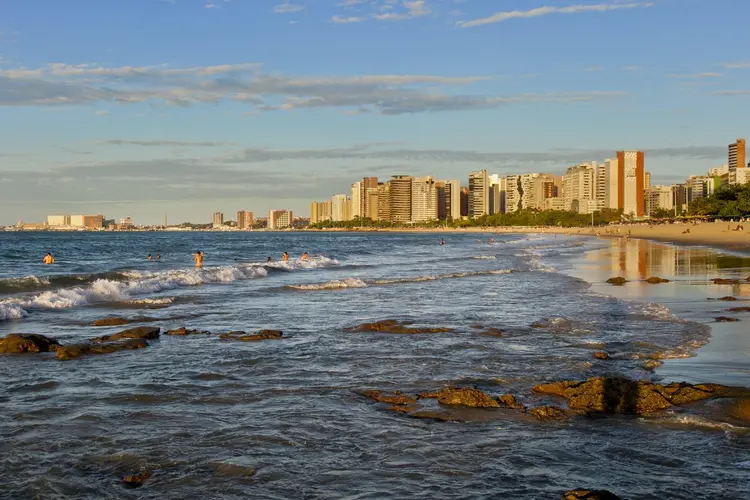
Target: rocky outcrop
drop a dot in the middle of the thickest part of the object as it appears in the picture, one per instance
(619, 281)
(136, 480)
(18, 343)
(726, 319)
(725, 281)
(652, 364)
(655, 280)
(728, 298)
(549, 413)
(254, 337)
(184, 331)
(510, 401)
(466, 396)
(78, 350)
(619, 395)
(739, 309)
(141, 332)
(395, 326)
(393, 398)
(740, 409)
(589, 495)
(117, 321)
(601, 355)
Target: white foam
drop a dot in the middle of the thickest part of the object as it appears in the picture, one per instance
(332, 285)
(12, 311)
(696, 421)
(484, 257)
(316, 262)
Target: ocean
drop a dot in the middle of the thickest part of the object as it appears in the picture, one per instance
(217, 418)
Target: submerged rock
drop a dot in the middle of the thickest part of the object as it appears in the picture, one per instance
(117, 321)
(136, 480)
(619, 395)
(141, 332)
(619, 281)
(726, 319)
(655, 280)
(739, 309)
(549, 413)
(184, 331)
(740, 409)
(589, 495)
(725, 281)
(254, 337)
(601, 355)
(492, 332)
(395, 326)
(510, 401)
(728, 298)
(394, 398)
(466, 396)
(17, 343)
(78, 350)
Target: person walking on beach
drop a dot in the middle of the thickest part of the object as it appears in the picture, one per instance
(198, 258)
(48, 259)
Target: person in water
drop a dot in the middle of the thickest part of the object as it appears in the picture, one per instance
(285, 257)
(48, 259)
(149, 257)
(158, 256)
(269, 260)
(442, 242)
(198, 258)
(305, 257)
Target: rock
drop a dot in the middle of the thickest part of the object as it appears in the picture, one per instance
(724, 281)
(726, 319)
(601, 355)
(652, 364)
(17, 343)
(184, 331)
(394, 326)
(654, 280)
(728, 298)
(589, 495)
(117, 321)
(136, 480)
(510, 401)
(492, 332)
(77, 350)
(740, 409)
(466, 396)
(739, 309)
(261, 335)
(617, 281)
(549, 413)
(395, 398)
(141, 332)
(619, 395)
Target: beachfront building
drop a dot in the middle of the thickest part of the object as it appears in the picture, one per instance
(511, 195)
(632, 183)
(218, 219)
(280, 219)
(400, 198)
(608, 184)
(736, 159)
(372, 203)
(58, 220)
(579, 186)
(555, 203)
(245, 220)
(340, 208)
(479, 203)
(87, 221)
(659, 197)
(448, 199)
(464, 201)
(384, 201)
(320, 211)
(365, 189)
(357, 208)
(423, 199)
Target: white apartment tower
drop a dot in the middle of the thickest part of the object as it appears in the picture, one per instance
(340, 208)
(423, 199)
(479, 203)
(579, 188)
(607, 184)
(356, 201)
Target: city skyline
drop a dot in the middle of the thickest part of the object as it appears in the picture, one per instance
(97, 121)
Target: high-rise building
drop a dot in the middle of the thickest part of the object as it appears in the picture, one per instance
(737, 155)
(423, 199)
(218, 219)
(680, 197)
(659, 197)
(453, 199)
(579, 188)
(366, 185)
(646, 180)
(320, 211)
(384, 201)
(400, 198)
(607, 184)
(280, 219)
(372, 203)
(464, 201)
(340, 208)
(479, 202)
(58, 220)
(494, 197)
(631, 182)
(245, 220)
(87, 221)
(358, 208)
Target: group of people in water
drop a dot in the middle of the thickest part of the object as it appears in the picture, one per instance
(198, 258)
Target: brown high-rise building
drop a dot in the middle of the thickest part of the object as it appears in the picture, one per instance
(549, 190)
(245, 220)
(440, 190)
(631, 182)
(737, 155)
(372, 203)
(400, 198)
(464, 201)
(384, 201)
(364, 187)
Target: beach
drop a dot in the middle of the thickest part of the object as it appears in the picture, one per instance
(405, 368)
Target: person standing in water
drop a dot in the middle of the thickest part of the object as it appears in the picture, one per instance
(442, 242)
(48, 259)
(305, 257)
(158, 256)
(285, 257)
(149, 257)
(269, 260)
(198, 258)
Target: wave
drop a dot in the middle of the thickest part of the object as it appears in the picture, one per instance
(484, 257)
(332, 285)
(35, 283)
(701, 422)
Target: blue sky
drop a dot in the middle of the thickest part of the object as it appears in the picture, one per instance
(186, 107)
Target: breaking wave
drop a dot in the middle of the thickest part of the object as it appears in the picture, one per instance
(332, 285)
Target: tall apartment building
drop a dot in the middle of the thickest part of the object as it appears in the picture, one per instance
(494, 194)
(448, 199)
(280, 219)
(218, 219)
(320, 211)
(366, 185)
(384, 201)
(423, 199)
(58, 220)
(659, 197)
(607, 184)
(631, 182)
(87, 221)
(400, 198)
(464, 201)
(579, 188)
(357, 201)
(372, 203)
(700, 186)
(646, 180)
(245, 220)
(736, 155)
(340, 208)
(479, 202)
(680, 197)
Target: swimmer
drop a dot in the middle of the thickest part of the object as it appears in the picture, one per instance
(269, 260)
(48, 259)
(149, 257)
(492, 240)
(158, 256)
(198, 258)
(305, 257)
(442, 242)
(285, 257)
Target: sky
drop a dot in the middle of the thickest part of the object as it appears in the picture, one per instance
(147, 108)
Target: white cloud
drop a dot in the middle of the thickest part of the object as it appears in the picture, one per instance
(346, 20)
(499, 17)
(707, 74)
(288, 8)
(737, 65)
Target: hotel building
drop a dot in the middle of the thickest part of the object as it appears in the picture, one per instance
(479, 203)
(280, 219)
(245, 220)
(631, 183)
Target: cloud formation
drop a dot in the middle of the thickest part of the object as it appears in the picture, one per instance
(499, 17)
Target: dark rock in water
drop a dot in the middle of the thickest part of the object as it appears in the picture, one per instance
(492, 332)
(655, 280)
(395, 398)
(549, 413)
(510, 401)
(652, 364)
(394, 326)
(618, 395)
(589, 495)
(77, 350)
(467, 396)
(117, 321)
(617, 281)
(17, 343)
(740, 409)
(261, 335)
(739, 309)
(724, 281)
(136, 480)
(141, 332)
(184, 331)
(601, 355)
(726, 319)
(728, 298)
